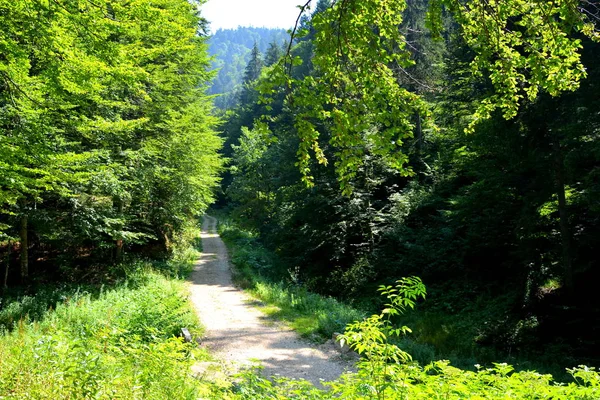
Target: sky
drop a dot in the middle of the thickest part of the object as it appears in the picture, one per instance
(229, 14)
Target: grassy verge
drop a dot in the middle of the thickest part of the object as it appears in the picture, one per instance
(381, 374)
(450, 325)
(483, 330)
(121, 343)
(256, 270)
(114, 341)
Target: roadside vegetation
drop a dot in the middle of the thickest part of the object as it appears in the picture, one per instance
(450, 325)
(115, 336)
(396, 361)
(423, 148)
(116, 339)
(284, 298)
(120, 342)
(108, 155)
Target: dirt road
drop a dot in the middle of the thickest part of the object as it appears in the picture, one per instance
(239, 334)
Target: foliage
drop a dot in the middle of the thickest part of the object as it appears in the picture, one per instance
(386, 371)
(119, 343)
(107, 139)
(355, 74)
(436, 381)
(371, 338)
(522, 47)
(501, 223)
(230, 49)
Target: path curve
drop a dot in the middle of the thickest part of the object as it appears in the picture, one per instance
(239, 334)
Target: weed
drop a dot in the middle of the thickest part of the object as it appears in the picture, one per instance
(118, 343)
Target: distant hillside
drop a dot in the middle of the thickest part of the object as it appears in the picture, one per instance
(231, 48)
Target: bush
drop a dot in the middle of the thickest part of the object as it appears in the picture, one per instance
(388, 372)
(119, 344)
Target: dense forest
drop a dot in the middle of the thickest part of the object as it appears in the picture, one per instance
(356, 175)
(434, 163)
(107, 135)
(108, 155)
(231, 50)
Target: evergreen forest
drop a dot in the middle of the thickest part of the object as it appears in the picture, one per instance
(231, 50)
(434, 164)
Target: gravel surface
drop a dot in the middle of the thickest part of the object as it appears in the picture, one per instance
(240, 335)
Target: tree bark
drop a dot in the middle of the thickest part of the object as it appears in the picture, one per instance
(119, 250)
(24, 248)
(419, 133)
(119, 242)
(563, 214)
(5, 282)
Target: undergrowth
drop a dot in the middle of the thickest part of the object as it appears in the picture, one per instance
(120, 343)
(393, 365)
(385, 371)
(32, 303)
(455, 324)
(118, 340)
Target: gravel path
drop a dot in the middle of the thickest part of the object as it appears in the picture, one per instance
(239, 334)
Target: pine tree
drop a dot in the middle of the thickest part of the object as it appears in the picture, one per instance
(251, 74)
(254, 66)
(273, 54)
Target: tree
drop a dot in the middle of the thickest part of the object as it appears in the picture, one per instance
(495, 209)
(87, 90)
(251, 74)
(522, 46)
(273, 54)
(254, 66)
(231, 49)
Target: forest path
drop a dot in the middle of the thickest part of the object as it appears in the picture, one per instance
(239, 334)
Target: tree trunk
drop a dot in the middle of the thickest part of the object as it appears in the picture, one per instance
(419, 133)
(24, 248)
(119, 242)
(119, 250)
(5, 282)
(563, 214)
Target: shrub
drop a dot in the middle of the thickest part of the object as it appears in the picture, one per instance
(119, 344)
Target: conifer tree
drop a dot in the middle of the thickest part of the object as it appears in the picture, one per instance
(254, 65)
(104, 125)
(273, 54)
(251, 74)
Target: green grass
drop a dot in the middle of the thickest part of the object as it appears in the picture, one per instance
(437, 381)
(121, 343)
(437, 333)
(311, 315)
(481, 331)
(119, 340)
(450, 325)
(257, 271)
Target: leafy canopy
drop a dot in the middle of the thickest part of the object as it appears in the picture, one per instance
(523, 46)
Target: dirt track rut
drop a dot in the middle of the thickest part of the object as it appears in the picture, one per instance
(239, 334)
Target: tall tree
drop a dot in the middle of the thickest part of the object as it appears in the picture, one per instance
(273, 54)
(357, 41)
(254, 66)
(87, 89)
